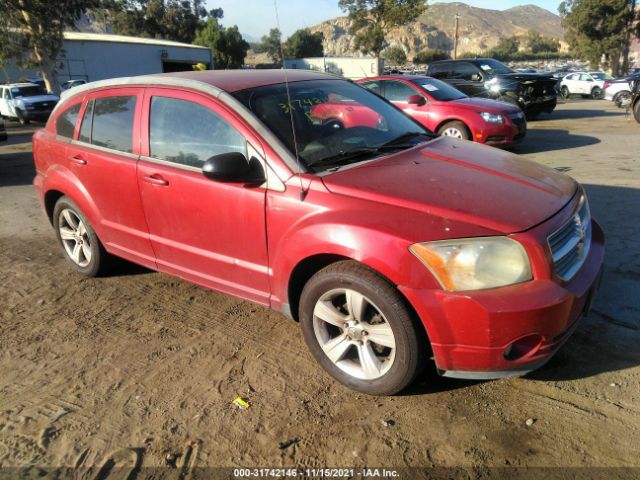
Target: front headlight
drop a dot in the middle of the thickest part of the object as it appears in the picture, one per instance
(491, 117)
(475, 263)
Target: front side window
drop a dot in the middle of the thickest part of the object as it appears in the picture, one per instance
(113, 122)
(397, 91)
(466, 71)
(188, 133)
(66, 122)
(336, 122)
(373, 86)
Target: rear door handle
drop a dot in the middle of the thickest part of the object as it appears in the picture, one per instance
(156, 180)
(78, 159)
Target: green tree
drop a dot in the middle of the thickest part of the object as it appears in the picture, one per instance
(536, 43)
(228, 47)
(272, 44)
(372, 19)
(303, 44)
(41, 26)
(429, 55)
(600, 29)
(395, 55)
(171, 19)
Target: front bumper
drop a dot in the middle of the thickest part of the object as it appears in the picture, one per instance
(540, 104)
(501, 135)
(37, 114)
(472, 334)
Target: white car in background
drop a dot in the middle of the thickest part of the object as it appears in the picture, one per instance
(619, 90)
(587, 84)
(26, 102)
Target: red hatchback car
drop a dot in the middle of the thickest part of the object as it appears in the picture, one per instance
(446, 110)
(389, 245)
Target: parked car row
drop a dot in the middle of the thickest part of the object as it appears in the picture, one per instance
(394, 248)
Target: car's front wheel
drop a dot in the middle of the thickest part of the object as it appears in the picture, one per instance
(22, 118)
(564, 92)
(455, 129)
(359, 329)
(636, 111)
(80, 244)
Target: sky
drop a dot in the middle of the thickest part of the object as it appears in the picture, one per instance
(256, 17)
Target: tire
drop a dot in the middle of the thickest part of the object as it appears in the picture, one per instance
(358, 361)
(333, 124)
(636, 111)
(80, 245)
(622, 97)
(596, 93)
(21, 118)
(564, 92)
(455, 129)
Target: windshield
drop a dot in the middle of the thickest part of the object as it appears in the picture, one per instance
(30, 91)
(601, 76)
(493, 67)
(336, 122)
(439, 90)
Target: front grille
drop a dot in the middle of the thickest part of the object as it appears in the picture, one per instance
(570, 243)
(44, 106)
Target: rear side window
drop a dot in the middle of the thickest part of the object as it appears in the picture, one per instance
(187, 133)
(66, 122)
(113, 122)
(397, 91)
(373, 86)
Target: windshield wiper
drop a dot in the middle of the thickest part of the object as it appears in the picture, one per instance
(399, 141)
(344, 158)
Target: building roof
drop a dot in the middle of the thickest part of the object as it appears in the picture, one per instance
(236, 80)
(108, 37)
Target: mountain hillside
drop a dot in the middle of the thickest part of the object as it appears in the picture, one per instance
(479, 28)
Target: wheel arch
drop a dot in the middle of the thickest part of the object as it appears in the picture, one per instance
(455, 119)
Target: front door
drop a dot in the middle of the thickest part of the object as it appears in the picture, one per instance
(398, 93)
(208, 232)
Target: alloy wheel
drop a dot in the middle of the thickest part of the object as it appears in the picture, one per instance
(354, 334)
(452, 132)
(75, 238)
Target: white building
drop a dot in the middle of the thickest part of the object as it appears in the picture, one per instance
(348, 67)
(97, 56)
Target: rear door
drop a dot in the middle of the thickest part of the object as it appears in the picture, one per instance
(103, 157)
(6, 107)
(209, 232)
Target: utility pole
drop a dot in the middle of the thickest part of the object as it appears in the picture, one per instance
(455, 38)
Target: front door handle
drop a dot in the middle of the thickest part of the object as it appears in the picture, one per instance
(156, 180)
(78, 159)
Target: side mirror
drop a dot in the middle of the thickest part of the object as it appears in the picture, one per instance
(233, 167)
(417, 100)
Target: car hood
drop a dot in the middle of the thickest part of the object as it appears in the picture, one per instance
(524, 77)
(460, 180)
(485, 105)
(39, 98)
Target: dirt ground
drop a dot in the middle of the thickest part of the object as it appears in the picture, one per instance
(139, 369)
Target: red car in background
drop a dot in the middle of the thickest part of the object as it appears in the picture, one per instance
(446, 110)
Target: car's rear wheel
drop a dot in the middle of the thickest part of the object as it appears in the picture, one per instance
(455, 129)
(621, 99)
(596, 93)
(564, 92)
(80, 244)
(359, 329)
